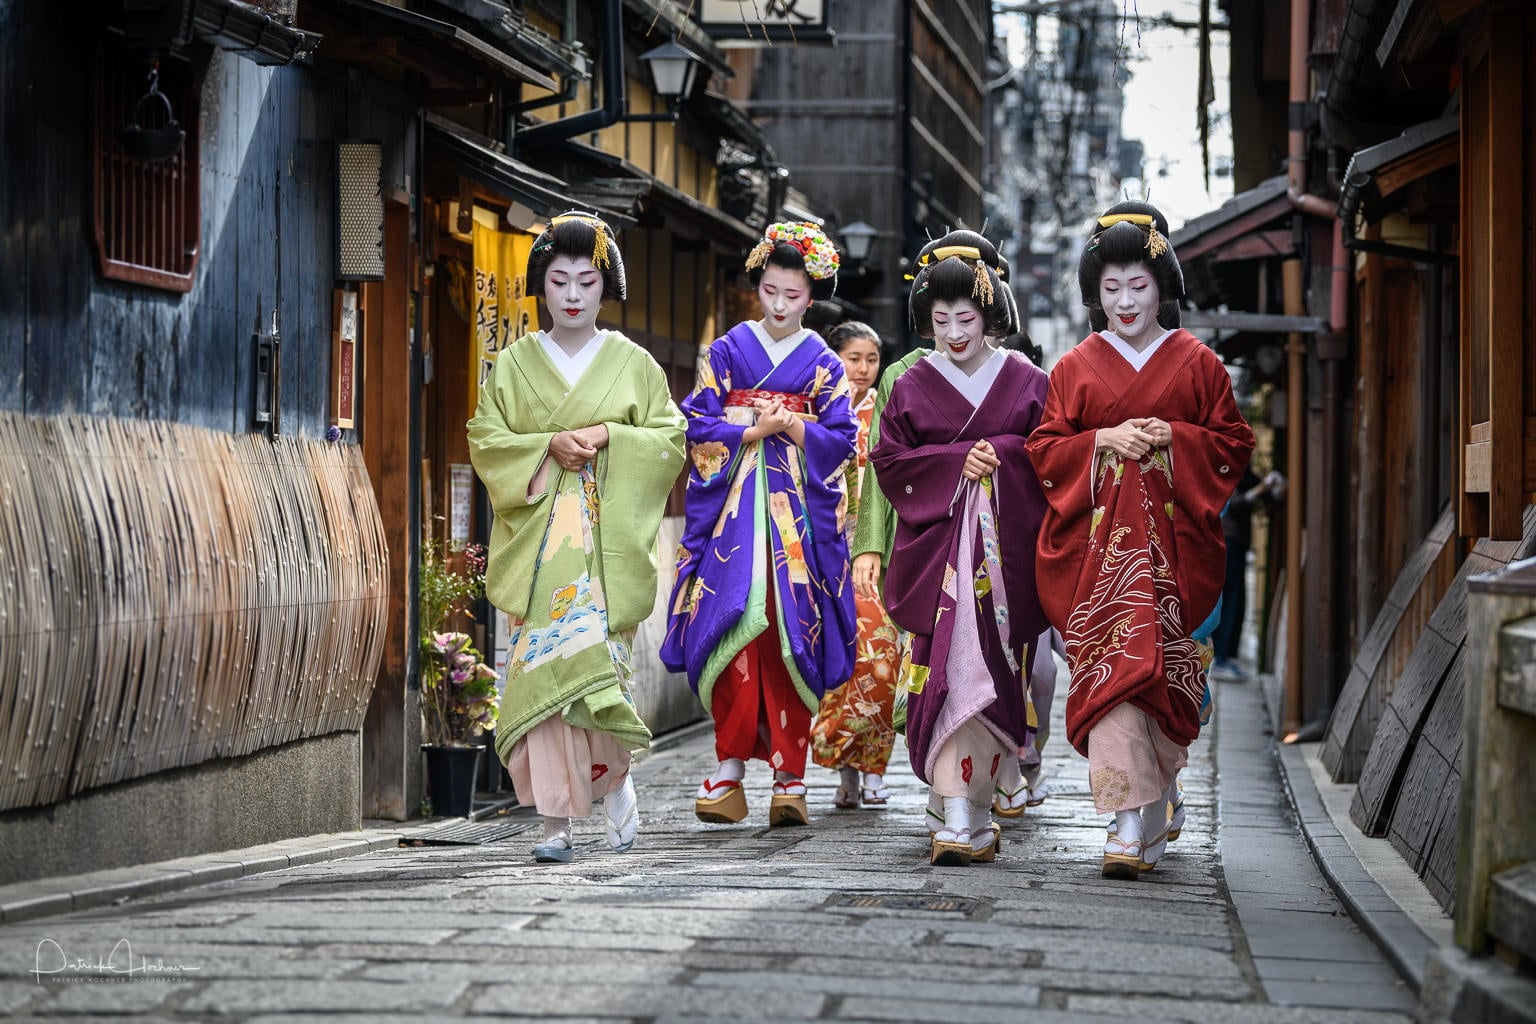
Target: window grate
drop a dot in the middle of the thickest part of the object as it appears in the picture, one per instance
(147, 213)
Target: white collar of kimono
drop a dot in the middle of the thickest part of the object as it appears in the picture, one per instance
(974, 386)
(571, 367)
(1136, 359)
(778, 351)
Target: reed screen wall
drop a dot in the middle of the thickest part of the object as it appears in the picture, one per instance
(171, 594)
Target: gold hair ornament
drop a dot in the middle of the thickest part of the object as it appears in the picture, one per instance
(599, 245)
(1156, 243)
(983, 287)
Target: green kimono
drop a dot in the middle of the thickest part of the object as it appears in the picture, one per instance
(876, 527)
(574, 567)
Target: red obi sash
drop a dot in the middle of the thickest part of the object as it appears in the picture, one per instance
(747, 396)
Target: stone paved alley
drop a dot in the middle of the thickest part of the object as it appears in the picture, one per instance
(844, 920)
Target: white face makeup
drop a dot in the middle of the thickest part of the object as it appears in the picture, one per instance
(785, 295)
(573, 292)
(958, 333)
(1129, 295)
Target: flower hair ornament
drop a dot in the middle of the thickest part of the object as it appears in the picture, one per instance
(1156, 243)
(820, 255)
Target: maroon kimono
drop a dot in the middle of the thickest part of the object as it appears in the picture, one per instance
(1131, 555)
(950, 528)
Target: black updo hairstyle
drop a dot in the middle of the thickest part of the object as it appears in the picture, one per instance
(781, 246)
(1131, 232)
(850, 330)
(578, 235)
(961, 265)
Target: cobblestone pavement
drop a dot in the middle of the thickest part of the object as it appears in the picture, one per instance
(841, 920)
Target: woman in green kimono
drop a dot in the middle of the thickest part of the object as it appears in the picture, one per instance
(572, 422)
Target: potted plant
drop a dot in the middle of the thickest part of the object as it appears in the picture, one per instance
(459, 700)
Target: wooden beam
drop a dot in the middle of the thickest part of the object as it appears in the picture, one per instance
(1506, 285)
(457, 97)
(1256, 246)
(1235, 228)
(1273, 323)
(1418, 164)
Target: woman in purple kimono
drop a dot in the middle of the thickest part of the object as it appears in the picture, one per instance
(762, 615)
(951, 460)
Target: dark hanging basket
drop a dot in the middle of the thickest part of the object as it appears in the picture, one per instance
(153, 144)
(451, 774)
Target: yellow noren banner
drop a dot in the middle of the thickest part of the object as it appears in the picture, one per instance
(504, 311)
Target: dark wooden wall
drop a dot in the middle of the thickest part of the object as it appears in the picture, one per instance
(74, 342)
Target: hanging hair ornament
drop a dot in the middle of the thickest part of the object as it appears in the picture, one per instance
(759, 255)
(600, 229)
(983, 287)
(1156, 243)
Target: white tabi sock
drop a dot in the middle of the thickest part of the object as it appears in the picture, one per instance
(957, 818)
(732, 769)
(1128, 825)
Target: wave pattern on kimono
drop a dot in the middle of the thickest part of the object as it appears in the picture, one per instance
(961, 578)
(853, 728)
(1131, 554)
(765, 507)
(574, 566)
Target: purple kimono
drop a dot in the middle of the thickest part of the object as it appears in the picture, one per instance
(765, 507)
(962, 572)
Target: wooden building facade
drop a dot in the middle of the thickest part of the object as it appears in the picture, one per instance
(236, 380)
(1380, 293)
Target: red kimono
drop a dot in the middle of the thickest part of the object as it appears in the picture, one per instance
(1131, 557)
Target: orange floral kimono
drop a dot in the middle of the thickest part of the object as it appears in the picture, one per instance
(853, 725)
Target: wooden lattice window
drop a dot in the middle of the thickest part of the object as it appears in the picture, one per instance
(147, 212)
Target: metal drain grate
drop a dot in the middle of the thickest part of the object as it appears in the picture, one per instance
(469, 833)
(893, 901)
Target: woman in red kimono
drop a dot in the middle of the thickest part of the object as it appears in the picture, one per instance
(952, 462)
(1139, 449)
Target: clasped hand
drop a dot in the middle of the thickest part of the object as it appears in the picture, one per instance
(573, 449)
(772, 418)
(1135, 437)
(980, 461)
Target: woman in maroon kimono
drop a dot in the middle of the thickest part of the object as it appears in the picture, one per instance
(1140, 447)
(952, 462)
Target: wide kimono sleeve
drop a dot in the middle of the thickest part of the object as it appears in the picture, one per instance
(713, 453)
(831, 443)
(1208, 458)
(1062, 446)
(637, 469)
(1062, 450)
(507, 448)
(919, 480)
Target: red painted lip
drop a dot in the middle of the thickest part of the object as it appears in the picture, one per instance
(1127, 319)
(572, 311)
(778, 316)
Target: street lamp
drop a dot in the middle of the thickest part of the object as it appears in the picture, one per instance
(672, 70)
(858, 238)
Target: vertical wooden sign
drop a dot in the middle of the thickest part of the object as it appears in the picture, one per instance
(344, 358)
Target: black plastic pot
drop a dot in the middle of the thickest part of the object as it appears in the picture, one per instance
(451, 779)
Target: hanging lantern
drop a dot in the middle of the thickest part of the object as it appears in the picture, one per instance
(152, 144)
